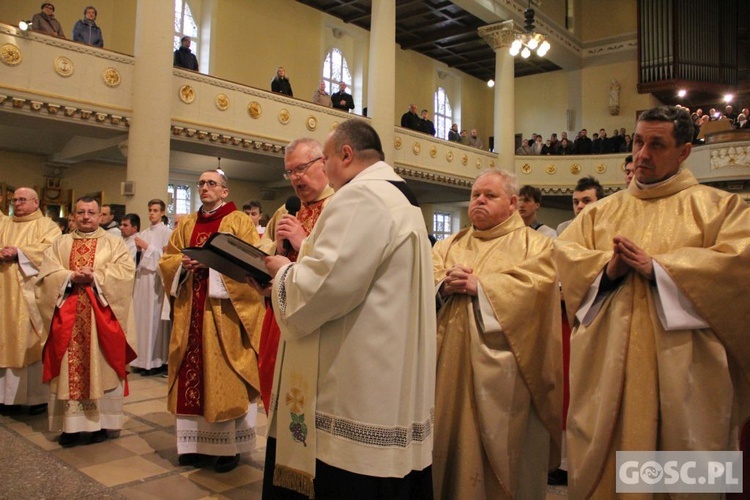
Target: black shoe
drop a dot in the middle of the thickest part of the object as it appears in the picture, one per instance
(557, 477)
(37, 409)
(226, 464)
(151, 372)
(70, 439)
(195, 459)
(99, 436)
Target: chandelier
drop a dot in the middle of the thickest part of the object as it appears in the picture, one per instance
(529, 41)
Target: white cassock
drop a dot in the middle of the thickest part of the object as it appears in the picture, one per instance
(149, 305)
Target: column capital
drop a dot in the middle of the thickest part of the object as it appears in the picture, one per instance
(498, 35)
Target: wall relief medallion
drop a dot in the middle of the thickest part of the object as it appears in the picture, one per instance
(254, 109)
(111, 77)
(222, 102)
(311, 123)
(64, 66)
(187, 94)
(10, 54)
(284, 116)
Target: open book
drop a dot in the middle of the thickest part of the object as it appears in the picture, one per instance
(232, 257)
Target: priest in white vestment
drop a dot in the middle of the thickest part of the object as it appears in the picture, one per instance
(150, 306)
(352, 403)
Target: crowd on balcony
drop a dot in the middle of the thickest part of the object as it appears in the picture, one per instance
(599, 143)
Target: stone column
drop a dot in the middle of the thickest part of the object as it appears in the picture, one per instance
(148, 140)
(381, 79)
(499, 36)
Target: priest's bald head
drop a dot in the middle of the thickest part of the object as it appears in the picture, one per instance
(493, 198)
(662, 141)
(25, 201)
(350, 149)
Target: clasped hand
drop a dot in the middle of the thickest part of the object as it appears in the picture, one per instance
(83, 276)
(459, 279)
(629, 256)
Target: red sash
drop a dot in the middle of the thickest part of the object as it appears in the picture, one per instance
(111, 337)
(190, 391)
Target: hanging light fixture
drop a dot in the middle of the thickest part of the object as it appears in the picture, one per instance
(529, 41)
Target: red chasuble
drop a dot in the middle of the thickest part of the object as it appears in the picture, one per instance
(269, 338)
(190, 377)
(70, 331)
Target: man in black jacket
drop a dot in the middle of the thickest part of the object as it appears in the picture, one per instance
(410, 119)
(341, 100)
(183, 57)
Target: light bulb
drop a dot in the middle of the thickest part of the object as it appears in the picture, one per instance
(533, 43)
(514, 51)
(545, 45)
(525, 53)
(541, 52)
(490, 83)
(516, 45)
(23, 25)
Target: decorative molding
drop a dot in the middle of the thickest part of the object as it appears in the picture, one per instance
(499, 35)
(227, 139)
(10, 54)
(433, 152)
(64, 66)
(526, 169)
(262, 94)
(254, 109)
(284, 116)
(311, 123)
(464, 160)
(437, 178)
(730, 157)
(416, 148)
(187, 94)
(551, 169)
(575, 169)
(397, 142)
(111, 77)
(611, 48)
(600, 168)
(62, 43)
(222, 102)
(64, 111)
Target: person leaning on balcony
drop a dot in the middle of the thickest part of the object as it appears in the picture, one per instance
(183, 57)
(281, 83)
(320, 96)
(86, 30)
(45, 21)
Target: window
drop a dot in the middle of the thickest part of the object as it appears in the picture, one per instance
(184, 25)
(443, 113)
(180, 200)
(335, 70)
(442, 224)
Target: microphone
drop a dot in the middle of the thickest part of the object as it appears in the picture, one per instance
(292, 205)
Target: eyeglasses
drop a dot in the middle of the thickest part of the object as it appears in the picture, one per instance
(20, 201)
(300, 169)
(211, 184)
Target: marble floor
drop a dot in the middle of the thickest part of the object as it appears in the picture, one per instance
(142, 463)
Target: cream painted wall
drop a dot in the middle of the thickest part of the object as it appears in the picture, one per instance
(542, 100)
(596, 82)
(605, 19)
(116, 18)
(258, 36)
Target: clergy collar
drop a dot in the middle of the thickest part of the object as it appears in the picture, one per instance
(209, 212)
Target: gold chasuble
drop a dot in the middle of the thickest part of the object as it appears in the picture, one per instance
(90, 327)
(214, 345)
(634, 385)
(21, 325)
(494, 387)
